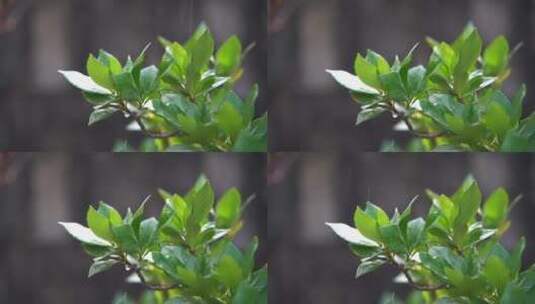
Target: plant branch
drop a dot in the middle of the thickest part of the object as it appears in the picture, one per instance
(143, 280)
(153, 134)
(411, 128)
(419, 286)
(144, 129)
(138, 271)
(421, 134)
(410, 279)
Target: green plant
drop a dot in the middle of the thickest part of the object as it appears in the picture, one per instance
(453, 255)
(186, 255)
(454, 103)
(186, 103)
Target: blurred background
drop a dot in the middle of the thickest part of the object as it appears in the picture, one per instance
(309, 264)
(39, 111)
(41, 263)
(311, 112)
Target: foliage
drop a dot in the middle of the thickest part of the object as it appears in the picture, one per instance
(186, 255)
(452, 255)
(185, 103)
(454, 103)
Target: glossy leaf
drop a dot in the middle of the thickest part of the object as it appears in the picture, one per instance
(84, 83)
(352, 82)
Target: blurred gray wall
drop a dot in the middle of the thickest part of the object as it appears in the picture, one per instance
(309, 264)
(39, 111)
(40, 263)
(310, 112)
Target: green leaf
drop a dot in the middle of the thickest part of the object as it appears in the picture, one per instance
(364, 251)
(99, 224)
(379, 61)
(110, 212)
(514, 141)
(180, 57)
(109, 60)
(137, 217)
(84, 234)
(122, 299)
(100, 266)
(99, 72)
(126, 238)
(366, 224)
(496, 208)
(148, 79)
(513, 294)
(100, 114)
(180, 104)
(228, 208)
(96, 251)
(367, 72)
(393, 86)
(516, 104)
(250, 101)
(403, 218)
(496, 56)
(516, 256)
(468, 202)
(98, 99)
(497, 118)
(253, 138)
(448, 208)
(201, 199)
(199, 31)
(468, 55)
(377, 213)
(368, 266)
(201, 51)
(496, 272)
(248, 262)
(179, 207)
(126, 86)
(148, 232)
(229, 119)
(228, 57)
(352, 82)
(351, 235)
(246, 294)
(84, 83)
(467, 31)
(229, 272)
(368, 114)
(416, 80)
(415, 232)
(392, 238)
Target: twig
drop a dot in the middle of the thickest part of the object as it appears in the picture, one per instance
(418, 286)
(137, 118)
(248, 49)
(139, 273)
(406, 120)
(153, 287)
(410, 280)
(421, 134)
(152, 134)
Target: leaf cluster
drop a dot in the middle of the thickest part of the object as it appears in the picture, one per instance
(185, 103)
(452, 255)
(186, 254)
(453, 103)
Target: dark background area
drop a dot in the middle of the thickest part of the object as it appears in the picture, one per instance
(41, 263)
(309, 264)
(311, 112)
(39, 111)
